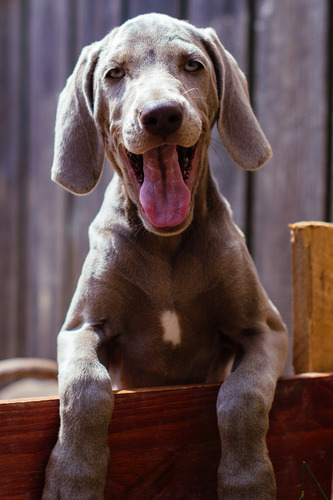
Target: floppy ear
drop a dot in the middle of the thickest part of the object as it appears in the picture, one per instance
(79, 149)
(239, 129)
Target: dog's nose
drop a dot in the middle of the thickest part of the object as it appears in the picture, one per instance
(161, 117)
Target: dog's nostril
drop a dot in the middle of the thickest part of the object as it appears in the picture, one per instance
(150, 122)
(174, 118)
(161, 117)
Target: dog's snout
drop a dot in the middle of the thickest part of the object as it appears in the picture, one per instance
(161, 117)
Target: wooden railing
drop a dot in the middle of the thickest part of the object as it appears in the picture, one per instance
(164, 443)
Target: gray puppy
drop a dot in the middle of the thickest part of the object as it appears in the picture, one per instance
(168, 292)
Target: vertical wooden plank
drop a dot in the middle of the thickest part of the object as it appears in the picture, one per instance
(290, 99)
(95, 20)
(230, 21)
(9, 176)
(45, 251)
(171, 7)
(312, 264)
(330, 118)
(109, 16)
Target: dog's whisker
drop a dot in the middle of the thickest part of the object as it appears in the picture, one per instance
(194, 89)
(117, 132)
(216, 147)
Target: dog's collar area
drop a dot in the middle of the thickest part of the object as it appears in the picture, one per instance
(185, 157)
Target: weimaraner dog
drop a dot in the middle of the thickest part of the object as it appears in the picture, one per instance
(168, 293)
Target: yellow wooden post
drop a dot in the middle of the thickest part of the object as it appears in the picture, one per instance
(312, 266)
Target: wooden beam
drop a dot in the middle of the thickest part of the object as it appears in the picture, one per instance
(165, 444)
(312, 264)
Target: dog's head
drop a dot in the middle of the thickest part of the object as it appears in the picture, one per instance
(148, 95)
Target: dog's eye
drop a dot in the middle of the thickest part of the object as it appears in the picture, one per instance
(192, 66)
(115, 73)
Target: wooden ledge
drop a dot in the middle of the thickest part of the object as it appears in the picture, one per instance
(165, 444)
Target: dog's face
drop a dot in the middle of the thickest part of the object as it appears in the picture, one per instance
(159, 103)
(148, 95)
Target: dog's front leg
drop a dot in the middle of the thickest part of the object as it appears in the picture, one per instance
(78, 464)
(243, 405)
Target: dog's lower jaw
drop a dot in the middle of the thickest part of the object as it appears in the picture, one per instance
(168, 230)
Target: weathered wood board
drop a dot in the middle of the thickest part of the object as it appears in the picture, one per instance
(312, 262)
(165, 443)
(290, 95)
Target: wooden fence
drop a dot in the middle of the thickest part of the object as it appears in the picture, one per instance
(285, 47)
(164, 442)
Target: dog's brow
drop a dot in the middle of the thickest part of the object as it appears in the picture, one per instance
(176, 52)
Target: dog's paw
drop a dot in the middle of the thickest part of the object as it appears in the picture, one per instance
(69, 476)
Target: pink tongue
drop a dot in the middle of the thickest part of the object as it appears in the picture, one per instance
(164, 195)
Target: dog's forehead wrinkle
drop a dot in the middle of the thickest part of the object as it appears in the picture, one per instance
(147, 39)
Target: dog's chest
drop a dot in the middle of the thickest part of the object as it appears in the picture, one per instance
(169, 327)
(168, 342)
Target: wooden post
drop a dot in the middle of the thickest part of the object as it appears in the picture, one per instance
(312, 266)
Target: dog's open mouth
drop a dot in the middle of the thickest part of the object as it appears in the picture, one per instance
(164, 178)
(185, 157)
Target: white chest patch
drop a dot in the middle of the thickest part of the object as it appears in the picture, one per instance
(171, 328)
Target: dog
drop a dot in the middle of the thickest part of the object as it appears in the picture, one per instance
(168, 293)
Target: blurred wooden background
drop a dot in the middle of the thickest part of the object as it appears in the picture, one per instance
(285, 48)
